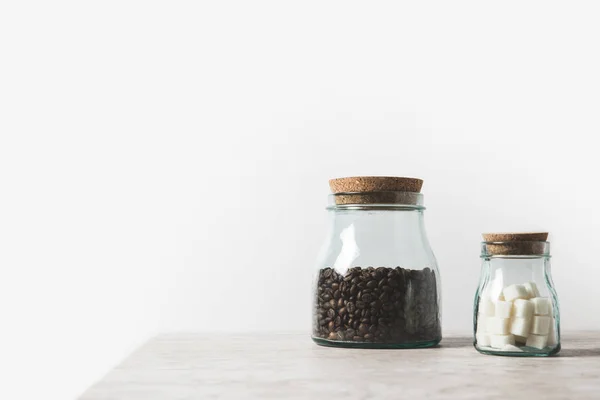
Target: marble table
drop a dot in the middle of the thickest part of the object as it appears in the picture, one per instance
(290, 366)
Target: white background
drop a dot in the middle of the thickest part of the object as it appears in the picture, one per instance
(164, 164)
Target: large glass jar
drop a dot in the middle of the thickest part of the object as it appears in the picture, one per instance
(516, 307)
(377, 283)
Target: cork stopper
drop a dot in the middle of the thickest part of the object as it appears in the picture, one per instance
(515, 243)
(356, 184)
(376, 190)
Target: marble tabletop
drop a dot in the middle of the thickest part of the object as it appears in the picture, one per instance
(291, 366)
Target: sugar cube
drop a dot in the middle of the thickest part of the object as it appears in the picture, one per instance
(552, 334)
(522, 308)
(499, 341)
(520, 339)
(513, 292)
(540, 325)
(520, 326)
(541, 305)
(481, 325)
(503, 309)
(537, 341)
(486, 307)
(483, 339)
(532, 289)
(497, 325)
(510, 347)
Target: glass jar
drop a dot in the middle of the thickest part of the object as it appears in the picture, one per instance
(516, 307)
(377, 283)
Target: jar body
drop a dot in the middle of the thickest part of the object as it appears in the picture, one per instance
(516, 309)
(377, 283)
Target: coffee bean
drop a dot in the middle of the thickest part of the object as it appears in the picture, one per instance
(331, 313)
(342, 311)
(351, 307)
(335, 286)
(330, 325)
(366, 298)
(362, 329)
(372, 284)
(327, 272)
(360, 304)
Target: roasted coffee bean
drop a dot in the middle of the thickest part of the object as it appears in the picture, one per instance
(332, 303)
(366, 298)
(331, 313)
(331, 325)
(350, 307)
(335, 286)
(372, 284)
(327, 272)
(340, 303)
(360, 304)
(362, 329)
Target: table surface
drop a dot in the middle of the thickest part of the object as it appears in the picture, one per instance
(276, 366)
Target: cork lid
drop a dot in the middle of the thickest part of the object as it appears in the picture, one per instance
(515, 243)
(376, 190)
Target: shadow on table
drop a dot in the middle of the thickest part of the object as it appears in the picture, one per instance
(456, 342)
(579, 352)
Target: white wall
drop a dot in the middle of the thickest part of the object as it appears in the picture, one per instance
(164, 165)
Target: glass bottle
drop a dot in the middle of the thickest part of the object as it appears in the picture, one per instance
(377, 283)
(516, 308)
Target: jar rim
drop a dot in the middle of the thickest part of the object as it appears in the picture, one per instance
(392, 200)
(516, 249)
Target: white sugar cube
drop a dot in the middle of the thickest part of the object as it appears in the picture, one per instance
(513, 292)
(503, 309)
(481, 325)
(520, 339)
(552, 341)
(522, 308)
(499, 341)
(541, 305)
(540, 325)
(532, 289)
(520, 326)
(537, 341)
(510, 347)
(483, 339)
(497, 325)
(486, 307)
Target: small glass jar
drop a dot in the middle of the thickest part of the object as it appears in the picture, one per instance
(377, 283)
(516, 307)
